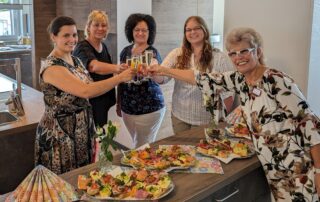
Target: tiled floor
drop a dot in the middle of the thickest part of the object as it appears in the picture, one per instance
(166, 130)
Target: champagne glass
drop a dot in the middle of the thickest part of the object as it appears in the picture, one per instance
(136, 65)
(149, 56)
(143, 60)
(130, 65)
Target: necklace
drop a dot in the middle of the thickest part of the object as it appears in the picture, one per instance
(256, 77)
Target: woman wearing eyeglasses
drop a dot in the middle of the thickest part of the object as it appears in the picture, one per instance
(141, 105)
(196, 53)
(285, 132)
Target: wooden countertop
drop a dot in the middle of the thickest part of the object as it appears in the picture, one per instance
(33, 105)
(188, 187)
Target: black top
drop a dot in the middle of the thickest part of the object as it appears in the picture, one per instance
(101, 104)
(144, 98)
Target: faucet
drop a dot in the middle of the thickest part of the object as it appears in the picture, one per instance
(16, 95)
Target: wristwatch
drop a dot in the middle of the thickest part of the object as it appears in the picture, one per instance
(317, 170)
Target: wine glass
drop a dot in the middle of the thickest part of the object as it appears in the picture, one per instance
(136, 64)
(149, 56)
(130, 65)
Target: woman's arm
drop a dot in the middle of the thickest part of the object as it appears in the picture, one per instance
(73, 85)
(98, 67)
(183, 75)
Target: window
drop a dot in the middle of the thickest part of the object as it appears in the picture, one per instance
(14, 20)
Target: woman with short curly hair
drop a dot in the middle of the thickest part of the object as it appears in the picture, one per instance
(141, 105)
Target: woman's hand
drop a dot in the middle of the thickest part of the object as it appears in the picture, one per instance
(120, 68)
(156, 70)
(126, 75)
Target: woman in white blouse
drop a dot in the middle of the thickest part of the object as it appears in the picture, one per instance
(195, 53)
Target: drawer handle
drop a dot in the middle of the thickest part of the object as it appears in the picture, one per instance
(230, 195)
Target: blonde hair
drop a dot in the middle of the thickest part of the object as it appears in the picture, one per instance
(246, 34)
(98, 16)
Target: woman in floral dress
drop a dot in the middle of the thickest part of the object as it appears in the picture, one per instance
(65, 133)
(285, 132)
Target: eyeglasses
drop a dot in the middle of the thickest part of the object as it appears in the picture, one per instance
(243, 52)
(196, 29)
(141, 30)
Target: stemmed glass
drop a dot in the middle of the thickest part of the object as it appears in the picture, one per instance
(137, 63)
(149, 56)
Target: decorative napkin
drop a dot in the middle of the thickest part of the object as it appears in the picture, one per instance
(43, 185)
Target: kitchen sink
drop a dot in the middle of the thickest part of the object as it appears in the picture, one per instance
(6, 117)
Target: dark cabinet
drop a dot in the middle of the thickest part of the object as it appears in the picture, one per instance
(252, 187)
(7, 69)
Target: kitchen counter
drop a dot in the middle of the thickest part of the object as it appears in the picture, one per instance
(17, 140)
(33, 105)
(204, 187)
(14, 50)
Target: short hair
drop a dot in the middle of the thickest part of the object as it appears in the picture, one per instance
(96, 15)
(58, 22)
(132, 22)
(245, 34)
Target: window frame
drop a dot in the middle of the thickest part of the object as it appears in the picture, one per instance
(16, 16)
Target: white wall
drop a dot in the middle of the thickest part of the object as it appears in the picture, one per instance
(314, 71)
(124, 9)
(218, 21)
(285, 26)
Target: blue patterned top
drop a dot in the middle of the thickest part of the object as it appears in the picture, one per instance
(144, 98)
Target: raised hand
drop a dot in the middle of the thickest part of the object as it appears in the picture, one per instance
(156, 70)
(127, 75)
(122, 67)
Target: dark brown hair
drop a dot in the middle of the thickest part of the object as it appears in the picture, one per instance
(58, 22)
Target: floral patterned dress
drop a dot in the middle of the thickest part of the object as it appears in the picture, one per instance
(64, 136)
(282, 126)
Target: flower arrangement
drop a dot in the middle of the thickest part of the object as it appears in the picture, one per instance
(105, 136)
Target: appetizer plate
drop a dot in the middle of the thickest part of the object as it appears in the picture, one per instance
(128, 185)
(239, 130)
(166, 157)
(227, 149)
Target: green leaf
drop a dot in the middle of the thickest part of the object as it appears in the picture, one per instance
(109, 155)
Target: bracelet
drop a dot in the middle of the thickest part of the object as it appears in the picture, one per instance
(317, 170)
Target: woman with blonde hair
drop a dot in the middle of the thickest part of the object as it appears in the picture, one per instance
(196, 53)
(95, 56)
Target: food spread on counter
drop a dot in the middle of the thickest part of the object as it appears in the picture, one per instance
(128, 185)
(225, 149)
(161, 158)
(238, 130)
